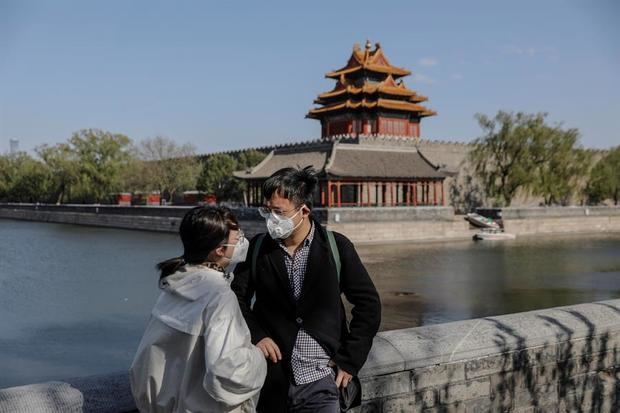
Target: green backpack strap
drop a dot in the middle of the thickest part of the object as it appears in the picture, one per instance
(335, 252)
(259, 241)
(332, 246)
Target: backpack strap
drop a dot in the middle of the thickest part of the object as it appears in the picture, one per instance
(332, 246)
(335, 252)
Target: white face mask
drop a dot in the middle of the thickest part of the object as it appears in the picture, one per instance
(281, 227)
(239, 254)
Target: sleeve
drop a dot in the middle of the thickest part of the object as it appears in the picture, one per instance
(243, 286)
(360, 291)
(235, 369)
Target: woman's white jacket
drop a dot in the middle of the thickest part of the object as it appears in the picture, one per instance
(196, 354)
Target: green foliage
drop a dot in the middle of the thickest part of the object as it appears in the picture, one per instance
(23, 178)
(604, 182)
(217, 174)
(249, 159)
(64, 166)
(520, 151)
(102, 157)
(217, 178)
(559, 165)
(501, 158)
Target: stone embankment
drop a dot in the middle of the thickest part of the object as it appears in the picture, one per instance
(361, 225)
(561, 220)
(561, 359)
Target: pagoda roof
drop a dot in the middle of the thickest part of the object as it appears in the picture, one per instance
(400, 105)
(388, 87)
(368, 60)
(346, 160)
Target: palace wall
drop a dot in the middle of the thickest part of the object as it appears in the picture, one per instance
(361, 225)
(561, 359)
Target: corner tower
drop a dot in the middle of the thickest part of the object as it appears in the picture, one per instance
(369, 98)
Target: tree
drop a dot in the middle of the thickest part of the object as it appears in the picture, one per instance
(64, 167)
(217, 177)
(102, 156)
(604, 180)
(559, 164)
(250, 158)
(520, 151)
(165, 166)
(23, 178)
(501, 157)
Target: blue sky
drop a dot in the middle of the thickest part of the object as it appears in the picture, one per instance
(228, 75)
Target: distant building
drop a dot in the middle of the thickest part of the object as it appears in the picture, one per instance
(13, 146)
(370, 98)
(367, 155)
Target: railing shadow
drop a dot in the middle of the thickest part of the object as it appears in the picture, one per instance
(568, 375)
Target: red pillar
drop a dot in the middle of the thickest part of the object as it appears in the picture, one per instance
(339, 197)
(329, 194)
(435, 193)
(443, 201)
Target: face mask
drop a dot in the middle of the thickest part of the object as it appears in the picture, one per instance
(281, 227)
(239, 254)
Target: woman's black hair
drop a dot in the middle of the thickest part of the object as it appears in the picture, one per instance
(202, 229)
(295, 184)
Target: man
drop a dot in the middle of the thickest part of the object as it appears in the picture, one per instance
(298, 319)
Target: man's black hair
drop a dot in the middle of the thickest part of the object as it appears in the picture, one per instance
(298, 185)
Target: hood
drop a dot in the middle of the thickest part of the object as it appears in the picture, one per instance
(185, 295)
(192, 282)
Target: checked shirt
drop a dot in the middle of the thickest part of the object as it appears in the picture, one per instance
(309, 360)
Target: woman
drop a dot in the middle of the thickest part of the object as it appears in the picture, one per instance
(196, 354)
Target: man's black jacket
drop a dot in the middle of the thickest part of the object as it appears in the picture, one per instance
(319, 309)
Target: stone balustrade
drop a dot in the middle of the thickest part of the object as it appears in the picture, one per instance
(558, 359)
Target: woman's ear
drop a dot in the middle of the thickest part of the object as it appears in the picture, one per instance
(217, 253)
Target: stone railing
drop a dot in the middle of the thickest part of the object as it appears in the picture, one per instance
(559, 359)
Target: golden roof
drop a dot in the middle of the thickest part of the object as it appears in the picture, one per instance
(372, 104)
(388, 87)
(370, 60)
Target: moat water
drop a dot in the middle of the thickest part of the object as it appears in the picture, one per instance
(74, 300)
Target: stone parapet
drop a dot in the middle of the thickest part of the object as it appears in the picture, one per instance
(559, 359)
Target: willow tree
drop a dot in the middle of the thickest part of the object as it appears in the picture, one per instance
(64, 166)
(560, 165)
(604, 180)
(501, 158)
(23, 178)
(521, 152)
(102, 156)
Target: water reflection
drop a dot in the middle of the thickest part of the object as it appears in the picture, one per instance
(461, 280)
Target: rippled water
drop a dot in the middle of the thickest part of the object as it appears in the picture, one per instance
(74, 300)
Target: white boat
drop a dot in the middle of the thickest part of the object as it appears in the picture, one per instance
(491, 234)
(480, 221)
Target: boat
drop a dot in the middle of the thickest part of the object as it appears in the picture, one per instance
(480, 221)
(493, 234)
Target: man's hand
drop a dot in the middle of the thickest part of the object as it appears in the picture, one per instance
(342, 378)
(270, 349)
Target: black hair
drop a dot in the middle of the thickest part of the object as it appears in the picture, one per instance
(295, 184)
(202, 229)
